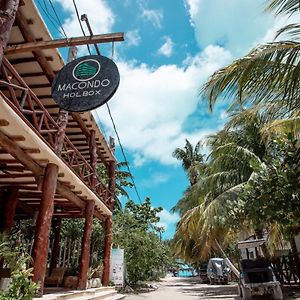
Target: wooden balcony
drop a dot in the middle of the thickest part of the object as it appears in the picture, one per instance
(30, 109)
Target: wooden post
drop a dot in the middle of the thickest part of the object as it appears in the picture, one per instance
(93, 158)
(10, 209)
(63, 115)
(112, 175)
(40, 246)
(62, 121)
(107, 251)
(85, 245)
(8, 9)
(56, 244)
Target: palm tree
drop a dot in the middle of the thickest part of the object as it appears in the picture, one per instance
(267, 74)
(228, 170)
(123, 181)
(192, 160)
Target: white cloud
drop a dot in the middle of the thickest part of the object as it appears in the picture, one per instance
(233, 24)
(139, 160)
(133, 38)
(279, 22)
(193, 8)
(152, 105)
(167, 219)
(153, 16)
(99, 14)
(155, 179)
(167, 48)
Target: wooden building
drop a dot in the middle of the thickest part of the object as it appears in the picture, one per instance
(48, 158)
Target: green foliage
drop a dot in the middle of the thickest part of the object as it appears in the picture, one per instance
(21, 286)
(273, 194)
(135, 231)
(123, 180)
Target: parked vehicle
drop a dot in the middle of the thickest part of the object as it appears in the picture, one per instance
(217, 271)
(202, 272)
(257, 278)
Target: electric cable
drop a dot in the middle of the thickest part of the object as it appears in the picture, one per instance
(111, 117)
(123, 153)
(78, 18)
(58, 19)
(51, 18)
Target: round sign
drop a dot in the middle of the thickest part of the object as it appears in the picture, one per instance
(85, 83)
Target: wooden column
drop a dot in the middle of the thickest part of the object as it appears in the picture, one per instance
(85, 245)
(56, 244)
(112, 175)
(10, 206)
(107, 251)
(62, 121)
(93, 158)
(40, 246)
(63, 115)
(8, 9)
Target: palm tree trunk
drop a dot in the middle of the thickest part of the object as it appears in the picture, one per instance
(228, 262)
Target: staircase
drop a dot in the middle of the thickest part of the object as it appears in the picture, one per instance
(107, 293)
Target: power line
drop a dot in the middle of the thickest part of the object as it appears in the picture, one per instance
(122, 150)
(111, 117)
(78, 18)
(52, 20)
(58, 19)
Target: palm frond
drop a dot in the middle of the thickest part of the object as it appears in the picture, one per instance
(290, 31)
(267, 73)
(291, 125)
(284, 6)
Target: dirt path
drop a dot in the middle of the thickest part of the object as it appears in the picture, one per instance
(176, 288)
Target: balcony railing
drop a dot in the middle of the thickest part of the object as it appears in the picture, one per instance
(15, 91)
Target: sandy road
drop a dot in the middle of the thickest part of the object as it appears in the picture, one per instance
(174, 288)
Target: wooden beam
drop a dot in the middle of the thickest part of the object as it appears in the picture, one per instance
(39, 85)
(13, 149)
(59, 43)
(37, 52)
(4, 123)
(24, 60)
(25, 208)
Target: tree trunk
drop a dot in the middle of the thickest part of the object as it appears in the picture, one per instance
(228, 262)
(8, 9)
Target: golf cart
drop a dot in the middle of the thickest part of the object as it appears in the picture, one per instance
(257, 278)
(256, 274)
(217, 271)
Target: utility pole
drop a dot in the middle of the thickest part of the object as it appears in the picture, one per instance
(8, 9)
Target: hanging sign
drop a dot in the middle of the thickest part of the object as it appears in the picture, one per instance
(85, 83)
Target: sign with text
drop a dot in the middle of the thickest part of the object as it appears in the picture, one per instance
(85, 83)
(117, 266)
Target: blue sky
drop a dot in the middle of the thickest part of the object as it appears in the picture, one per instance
(171, 48)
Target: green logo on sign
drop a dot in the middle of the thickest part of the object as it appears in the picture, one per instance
(86, 70)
